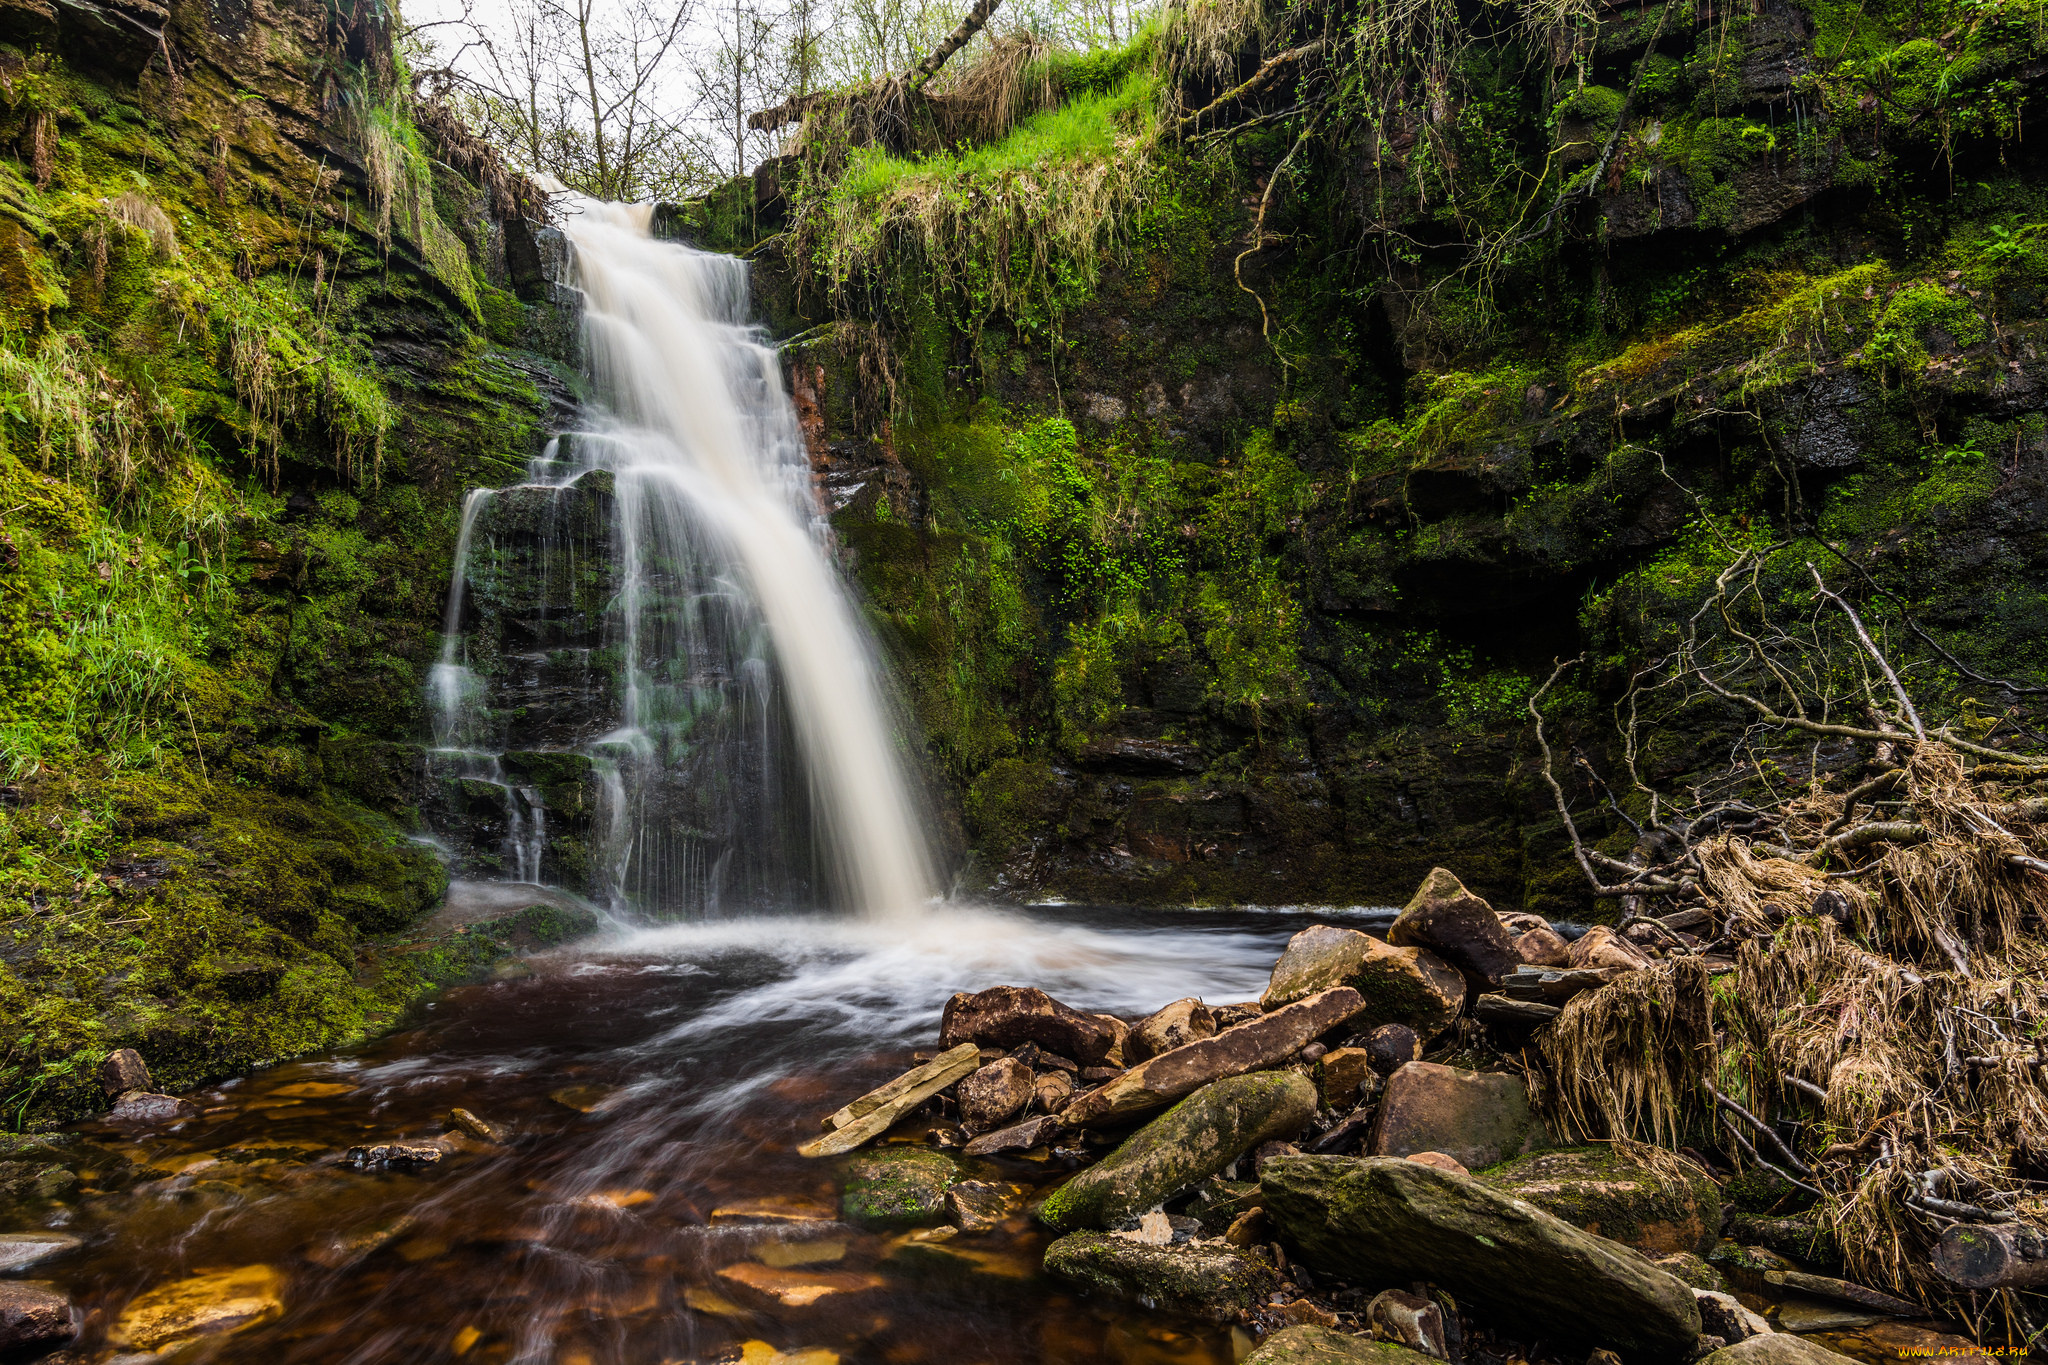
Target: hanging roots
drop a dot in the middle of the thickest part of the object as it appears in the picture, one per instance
(1629, 1057)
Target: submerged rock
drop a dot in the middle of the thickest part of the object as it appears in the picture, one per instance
(1011, 1016)
(483, 1130)
(1189, 1143)
(897, 1189)
(995, 1094)
(20, 1250)
(1169, 1027)
(980, 1205)
(1476, 1117)
(1396, 985)
(212, 1304)
(766, 1286)
(1458, 927)
(1264, 1042)
(1322, 1346)
(1380, 1220)
(1598, 1189)
(1201, 1280)
(33, 1318)
(139, 1109)
(395, 1156)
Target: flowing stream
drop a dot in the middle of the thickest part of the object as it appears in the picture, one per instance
(738, 739)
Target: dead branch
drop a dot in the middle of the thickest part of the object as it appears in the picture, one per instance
(955, 40)
(1270, 71)
(1870, 647)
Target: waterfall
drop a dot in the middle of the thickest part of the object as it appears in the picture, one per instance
(667, 614)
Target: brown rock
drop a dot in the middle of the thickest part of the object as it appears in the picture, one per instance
(1264, 1042)
(1896, 1343)
(33, 1318)
(1398, 985)
(871, 1115)
(1440, 1161)
(770, 1287)
(123, 1071)
(1477, 1118)
(210, 1304)
(483, 1130)
(1600, 946)
(1018, 1137)
(995, 1094)
(1776, 1348)
(1230, 1016)
(1339, 1073)
(1723, 1315)
(1519, 922)
(1311, 1345)
(139, 1108)
(1458, 927)
(1051, 1091)
(1011, 1016)
(1391, 1047)
(979, 1205)
(1543, 947)
(1412, 1320)
(1172, 1026)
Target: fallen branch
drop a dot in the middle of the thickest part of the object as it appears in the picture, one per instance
(1977, 1257)
(1269, 71)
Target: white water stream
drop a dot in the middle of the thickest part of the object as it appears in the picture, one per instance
(728, 622)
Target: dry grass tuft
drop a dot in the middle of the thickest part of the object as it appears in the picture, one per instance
(134, 211)
(1629, 1057)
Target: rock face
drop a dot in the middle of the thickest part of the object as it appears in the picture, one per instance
(1264, 1042)
(1779, 1348)
(33, 1318)
(1321, 1346)
(1458, 927)
(1382, 1220)
(1409, 986)
(1190, 1142)
(1597, 1189)
(1478, 1117)
(1011, 1016)
(897, 1189)
(203, 1305)
(1171, 1026)
(1212, 1282)
(995, 1094)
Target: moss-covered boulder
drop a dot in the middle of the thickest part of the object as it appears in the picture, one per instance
(1189, 1143)
(1598, 1189)
(900, 1189)
(1321, 1346)
(1204, 1281)
(1389, 1220)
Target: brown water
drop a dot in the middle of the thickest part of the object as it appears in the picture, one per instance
(704, 1055)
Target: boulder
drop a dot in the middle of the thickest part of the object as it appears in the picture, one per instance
(1380, 1220)
(1458, 927)
(34, 1318)
(1543, 947)
(1189, 1143)
(123, 1071)
(1267, 1041)
(1519, 922)
(1602, 1191)
(1600, 946)
(1198, 1280)
(1172, 1026)
(995, 1094)
(1409, 986)
(1778, 1348)
(1410, 1319)
(897, 1189)
(20, 1250)
(1340, 1072)
(212, 1304)
(1018, 1137)
(1011, 1016)
(1478, 1118)
(1391, 1047)
(1321, 1346)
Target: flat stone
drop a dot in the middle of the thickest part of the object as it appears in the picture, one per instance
(995, 1094)
(1439, 1160)
(1843, 1291)
(1018, 1137)
(1458, 927)
(1778, 1348)
(1410, 986)
(1197, 1280)
(212, 1304)
(1801, 1315)
(770, 1287)
(1169, 1027)
(874, 1113)
(783, 1255)
(584, 1099)
(1310, 1345)
(897, 1189)
(935, 1252)
(20, 1250)
(1183, 1147)
(1011, 1016)
(1598, 1189)
(773, 1209)
(1479, 1118)
(1384, 1220)
(395, 1156)
(1267, 1041)
(483, 1130)
(33, 1318)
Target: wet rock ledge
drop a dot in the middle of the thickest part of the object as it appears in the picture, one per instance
(1352, 1168)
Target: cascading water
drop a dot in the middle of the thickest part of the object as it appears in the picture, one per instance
(696, 653)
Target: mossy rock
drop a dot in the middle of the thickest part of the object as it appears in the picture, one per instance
(1598, 1189)
(1205, 1281)
(902, 1189)
(1321, 1346)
